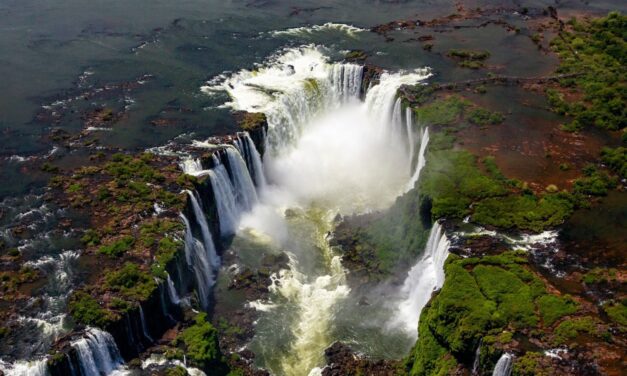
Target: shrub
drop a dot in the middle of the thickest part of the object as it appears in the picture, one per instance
(201, 343)
(570, 329)
(118, 247)
(85, 310)
(482, 116)
(442, 111)
(131, 282)
(552, 308)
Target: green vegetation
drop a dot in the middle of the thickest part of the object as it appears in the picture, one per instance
(526, 212)
(201, 344)
(48, 167)
(595, 51)
(131, 282)
(616, 160)
(528, 364)
(600, 275)
(252, 120)
(453, 181)
(484, 299)
(118, 247)
(594, 182)
(442, 112)
(552, 308)
(85, 310)
(482, 116)
(617, 312)
(570, 329)
(473, 59)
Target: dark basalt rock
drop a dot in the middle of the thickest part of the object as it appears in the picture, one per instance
(343, 361)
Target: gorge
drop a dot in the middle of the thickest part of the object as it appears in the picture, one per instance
(360, 202)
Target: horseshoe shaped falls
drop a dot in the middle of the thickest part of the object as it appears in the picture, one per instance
(322, 188)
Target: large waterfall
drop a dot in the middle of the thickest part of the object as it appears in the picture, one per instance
(423, 278)
(329, 153)
(504, 365)
(97, 353)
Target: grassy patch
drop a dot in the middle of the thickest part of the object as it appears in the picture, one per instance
(131, 282)
(85, 310)
(570, 329)
(118, 247)
(552, 308)
(482, 116)
(617, 312)
(441, 111)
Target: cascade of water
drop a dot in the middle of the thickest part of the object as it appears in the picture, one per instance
(144, 326)
(409, 124)
(247, 148)
(477, 361)
(423, 278)
(225, 199)
(196, 257)
(382, 98)
(201, 219)
(22, 368)
(397, 118)
(97, 352)
(191, 166)
(243, 187)
(504, 365)
(174, 296)
(424, 141)
(346, 79)
(290, 90)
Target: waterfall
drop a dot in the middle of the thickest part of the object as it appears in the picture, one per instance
(224, 199)
(144, 327)
(346, 79)
(197, 259)
(23, 368)
(290, 89)
(409, 123)
(247, 149)
(243, 187)
(191, 166)
(477, 362)
(382, 98)
(504, 365)
(97, 352)
(424, 141)
(397, 117)
(201, 219)
(423, 278)
(174, 296)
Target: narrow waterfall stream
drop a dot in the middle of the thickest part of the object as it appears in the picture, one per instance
(328, 153)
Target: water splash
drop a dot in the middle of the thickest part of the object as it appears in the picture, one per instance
(24, 368)
(350, 30)
(423, 278)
